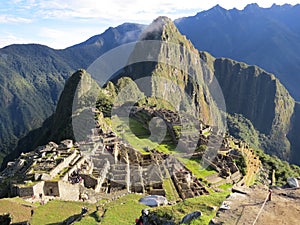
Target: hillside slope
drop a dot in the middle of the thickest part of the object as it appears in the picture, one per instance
(262, 99)
(33, 76)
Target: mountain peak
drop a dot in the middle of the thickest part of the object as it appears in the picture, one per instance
(218, 7)
(252, 7)
(217, 10)
(164, 29)
(162, 19)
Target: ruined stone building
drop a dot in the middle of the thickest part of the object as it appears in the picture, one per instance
(104, 165)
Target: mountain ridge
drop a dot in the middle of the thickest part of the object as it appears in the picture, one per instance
(267, 37)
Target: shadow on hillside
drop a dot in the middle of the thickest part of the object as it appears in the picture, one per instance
(95, 215)
(69, 220)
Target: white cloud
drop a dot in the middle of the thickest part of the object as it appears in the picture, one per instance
(54, 22)
(9, 38)
(134, 10)
(13, 19)
(59, 38)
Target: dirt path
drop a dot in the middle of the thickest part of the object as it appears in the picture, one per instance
(283, 209)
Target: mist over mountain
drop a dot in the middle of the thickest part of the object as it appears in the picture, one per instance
(266, 37)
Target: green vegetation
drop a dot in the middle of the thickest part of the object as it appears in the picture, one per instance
(167, 148)
(104, 104)
(18, 208)
(57, 211)
(156, 102)
(241, 164)
(123, 210)
(225, 187)
(194, 166)
(204, 203)
(128, 136)
(90, 218)
(177, 131)
(242, 128)
(171, 193)
(139, 129)
(283, 169)
(141, 141)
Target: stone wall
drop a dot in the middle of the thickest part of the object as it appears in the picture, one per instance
(102, 176)
(68, 192)
(39, 189)
(25, 191)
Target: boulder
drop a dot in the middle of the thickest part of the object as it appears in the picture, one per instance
(154, 200)
(189, 217)
(292, 182)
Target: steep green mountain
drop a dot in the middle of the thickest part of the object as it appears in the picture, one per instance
(263, 100)
(293, 135)
(175, 72)
(80, 89)
(33, 76)
(242, 129)
(267, 37)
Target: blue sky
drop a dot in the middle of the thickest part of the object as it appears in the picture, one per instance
(62, 23)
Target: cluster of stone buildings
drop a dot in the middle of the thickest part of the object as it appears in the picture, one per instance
(104, 165)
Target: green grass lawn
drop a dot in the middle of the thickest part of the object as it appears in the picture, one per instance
(123, 210)
(138, 137)
(197, 170)
(171, 193)
(17, 207)
(90, 219)
(225, 187)
(57, 211)
(203, 203)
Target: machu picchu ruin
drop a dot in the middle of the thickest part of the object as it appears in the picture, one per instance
(106, 166)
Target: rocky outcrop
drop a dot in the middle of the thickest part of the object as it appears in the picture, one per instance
(171, 70)
(293, 135)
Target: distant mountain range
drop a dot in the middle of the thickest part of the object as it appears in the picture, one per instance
(33, 76)
(266, 37)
